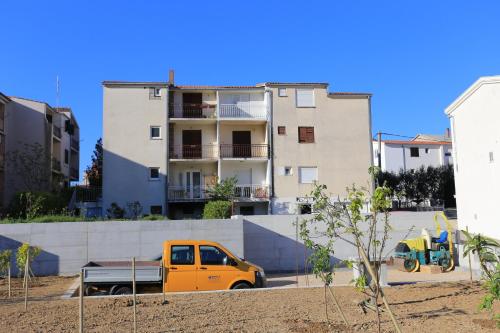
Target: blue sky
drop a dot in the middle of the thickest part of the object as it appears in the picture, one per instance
(415, 58)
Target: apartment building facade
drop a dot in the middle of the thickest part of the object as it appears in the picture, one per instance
(30, 123)
(166, 144)
(4, 101)
(423, 150)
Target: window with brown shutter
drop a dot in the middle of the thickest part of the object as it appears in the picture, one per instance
(306, 134)
(281, 130)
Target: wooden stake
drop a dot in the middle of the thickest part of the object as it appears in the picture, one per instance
(81, 302)
(8, 279)
(338, 306)
(470, 264)
(26, 272)
(133, 292)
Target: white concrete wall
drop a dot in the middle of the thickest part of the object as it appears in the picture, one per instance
(475, 124)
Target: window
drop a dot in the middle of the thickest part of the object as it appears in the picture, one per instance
(305, 209)
(491, 157)
(282, 92)
(447, 154)
(281, 130)
(247, 210)
(304, 98)
(156, 210)
(155, 132)
(154, 173)
(211, 255)
(288, 171)
(66, 156)
(182, 255)
(308, 175)
(154, 93)
(414, 152)
(427, 150)
(306, 134)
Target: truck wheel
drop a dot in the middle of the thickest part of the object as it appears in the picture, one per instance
(241, 285)
(122, 291)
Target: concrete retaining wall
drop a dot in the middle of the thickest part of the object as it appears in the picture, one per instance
(68, 246)
(266, 240)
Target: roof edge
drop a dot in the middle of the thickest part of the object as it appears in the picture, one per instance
(132, 83)
(469, 91)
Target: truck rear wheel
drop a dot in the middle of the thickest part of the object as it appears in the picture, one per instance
(122, 291)
(241, 285)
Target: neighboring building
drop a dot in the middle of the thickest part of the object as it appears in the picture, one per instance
(165, 144)
(4, 101)
(423, 150)
(29, 122)
(475, 124)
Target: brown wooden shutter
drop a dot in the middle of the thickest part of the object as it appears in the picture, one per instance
(302, 134)
(306, 134)
(281, 130)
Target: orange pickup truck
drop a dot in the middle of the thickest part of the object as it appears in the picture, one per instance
(188, 265)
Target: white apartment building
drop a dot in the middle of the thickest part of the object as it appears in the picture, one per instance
(166, 144)
(29, 122)
(423, 150)
(475, 123)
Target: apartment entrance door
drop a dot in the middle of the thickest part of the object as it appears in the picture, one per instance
(191, 105)
(242, 144)
(193, 184)
(191, 144)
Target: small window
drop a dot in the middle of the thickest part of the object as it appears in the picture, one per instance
(288, 171)
(305, 209)
(306, 134)
(156, 210)
(211, 255)
(66, 156)
(155, 132)
(447, 154)
(427, 150)
(304, 98)
(182, 255)
(281, 130)
(282, 92)
(414, 152)
(491, 157)
(308, 175)
(154, 93)
(154, 173)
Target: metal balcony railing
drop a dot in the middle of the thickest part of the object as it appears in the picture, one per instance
(73, 173)
(56, 164)
(75, 144)
(197, 111)
(88, 193)
(244, 150)
(252, 191)
(193, 152)
(57, 131)
(250, 110)
(187, 193)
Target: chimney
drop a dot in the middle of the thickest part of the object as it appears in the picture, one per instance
(447, 134)
(171, 77)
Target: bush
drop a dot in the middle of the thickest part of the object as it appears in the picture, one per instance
(115, 211)
(22, 254)
(28, 205)
(217, 210)
(4, 260)
(154, 217)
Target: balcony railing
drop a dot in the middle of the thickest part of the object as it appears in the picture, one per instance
(75, 144)
(56, 164)
(88, 193)
(252, 191)
(244, 150)
(73, 173)
(187, 193)
(251, 110)
(57, 131)
(197, 111)
(193, 152)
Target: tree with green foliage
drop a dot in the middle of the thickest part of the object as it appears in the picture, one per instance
(223, 190)
(487, 251)
(22, 255)
(5, 256)
(94, 170)
(218, 209)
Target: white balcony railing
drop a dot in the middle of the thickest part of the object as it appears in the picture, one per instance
(193, 111)
(193, 152)
(248, 110)
(187, 193)
(252, 191)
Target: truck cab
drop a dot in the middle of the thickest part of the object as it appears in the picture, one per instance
(197, 265)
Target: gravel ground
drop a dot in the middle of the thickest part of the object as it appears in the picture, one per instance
(443, 307)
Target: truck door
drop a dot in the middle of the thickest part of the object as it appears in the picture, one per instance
(215, 271)
(181, 271)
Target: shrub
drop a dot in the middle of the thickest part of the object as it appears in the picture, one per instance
(28, 205)
(217, 210)
(22, 254)
(154, 217)
(4, 260)
(115, 211)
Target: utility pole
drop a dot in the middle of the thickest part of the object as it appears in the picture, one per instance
(379, 152)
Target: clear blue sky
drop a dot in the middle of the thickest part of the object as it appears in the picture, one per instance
(415, 58)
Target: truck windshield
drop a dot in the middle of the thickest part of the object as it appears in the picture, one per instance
(211, 255)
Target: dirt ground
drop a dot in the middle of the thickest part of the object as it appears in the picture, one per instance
(443, 307)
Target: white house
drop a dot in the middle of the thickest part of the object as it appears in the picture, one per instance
(423, 150)
(475, 126)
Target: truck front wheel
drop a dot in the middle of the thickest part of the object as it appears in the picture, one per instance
(241, 285)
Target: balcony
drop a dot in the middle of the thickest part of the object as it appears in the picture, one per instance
(73, 173)
(244, 151)
(192, 111)
(193, 152)
(252, 192)
(57, 131)
(187, 193)
(75, 144)
(56, 165)
(243, 111)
